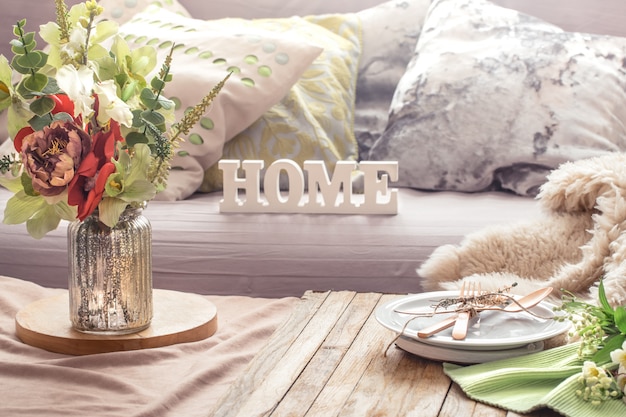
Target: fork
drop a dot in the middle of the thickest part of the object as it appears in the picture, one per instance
(459, 332)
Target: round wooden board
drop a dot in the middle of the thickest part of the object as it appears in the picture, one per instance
(178, 318)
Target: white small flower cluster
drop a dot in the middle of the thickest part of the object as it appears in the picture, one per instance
(618, 356)
(597, 383)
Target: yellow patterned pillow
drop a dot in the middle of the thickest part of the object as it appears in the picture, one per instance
(316, 118)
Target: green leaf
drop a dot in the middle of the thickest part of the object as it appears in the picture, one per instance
(16, 28)
(44, 221)
(620, 319)
(157, 84)
(153, 117)
(51, 88)
(134, 138)
(34, 60)
(138, 190)
(27, 185)
(63, 116)
(22, 207)
(42, 106)
(110, 209)
(129, 90)
(611, 343)
(35, 82)
(166, 103)
(12, 184)
(603, 300)
(38, 122)
(65, 211)
(17, 67)
(148, 98)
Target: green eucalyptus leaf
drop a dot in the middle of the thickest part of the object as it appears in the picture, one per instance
(166, 103)
(42, 106)
(63, 116)
(17, 47)
(148, 98)
(17, 67)
(35, 82)
(28, 38)
(51, 88)
(17, 27)
(33, 60)
(133, 138)
(157, 84)
(39, 122)
(153, 117)
(137, 120)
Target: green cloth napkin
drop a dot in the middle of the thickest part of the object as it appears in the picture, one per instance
(527, 383)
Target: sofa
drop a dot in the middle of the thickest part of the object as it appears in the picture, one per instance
(477, 101)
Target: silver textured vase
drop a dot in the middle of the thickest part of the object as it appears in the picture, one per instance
(110, 282)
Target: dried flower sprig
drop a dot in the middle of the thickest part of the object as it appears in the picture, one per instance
(64, 25)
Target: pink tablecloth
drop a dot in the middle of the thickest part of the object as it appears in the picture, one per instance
(182, 380)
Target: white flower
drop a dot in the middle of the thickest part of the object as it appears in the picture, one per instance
(78, 85)
(110, 105)
(618, 356)
(74, 49)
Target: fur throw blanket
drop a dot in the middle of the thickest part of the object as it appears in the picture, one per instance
(580, 239)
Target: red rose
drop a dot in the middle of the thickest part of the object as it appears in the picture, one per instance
(87, 187)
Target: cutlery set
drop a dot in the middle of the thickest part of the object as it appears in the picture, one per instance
(469, 298)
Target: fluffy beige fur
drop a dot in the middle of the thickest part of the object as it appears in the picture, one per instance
(580, 239)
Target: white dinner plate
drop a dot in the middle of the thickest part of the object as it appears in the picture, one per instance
(492, 330)
(463, 356)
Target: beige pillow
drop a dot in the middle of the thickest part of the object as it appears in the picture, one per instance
(122, 11)
(264, 65)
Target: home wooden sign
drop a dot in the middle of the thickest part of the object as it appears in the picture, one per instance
(322, 194)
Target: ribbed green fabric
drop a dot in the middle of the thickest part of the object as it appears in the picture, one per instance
(526, 383)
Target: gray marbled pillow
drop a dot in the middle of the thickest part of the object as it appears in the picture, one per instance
(390, 33)
(495, 99)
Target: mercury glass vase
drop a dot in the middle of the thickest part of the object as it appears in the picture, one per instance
(110, 281)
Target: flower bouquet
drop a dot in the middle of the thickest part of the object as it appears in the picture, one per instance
(90, 132)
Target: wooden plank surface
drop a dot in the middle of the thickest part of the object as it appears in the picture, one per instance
(330, 359)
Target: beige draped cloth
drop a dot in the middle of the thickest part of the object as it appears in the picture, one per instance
(179, 380)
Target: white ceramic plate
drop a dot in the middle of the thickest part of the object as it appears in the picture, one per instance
(463, 356)
(491, 331)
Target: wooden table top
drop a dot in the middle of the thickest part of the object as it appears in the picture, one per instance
(329, 359)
